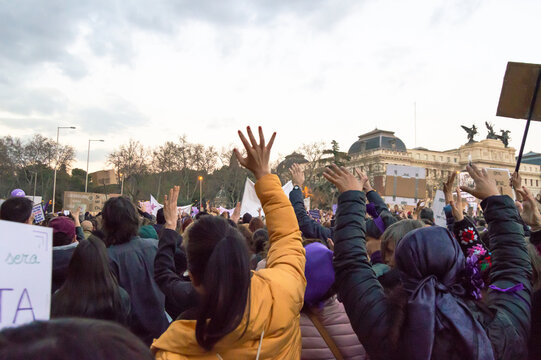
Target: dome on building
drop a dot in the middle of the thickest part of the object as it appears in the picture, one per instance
(294, 158)
(375, 140)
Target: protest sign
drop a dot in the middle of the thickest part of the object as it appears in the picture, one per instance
(35, 199)
(501, 176)
(307, 203)
(437, 208)
(26, 267)
(37, 211)
(91, 202)
(154, 206)
(405, 182)
(184, 209)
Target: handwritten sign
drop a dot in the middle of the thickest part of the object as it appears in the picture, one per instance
(25, 273)
(437, 206)
(37, 211)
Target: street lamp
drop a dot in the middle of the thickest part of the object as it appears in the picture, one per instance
(87, 159)
(200, 191)
(56, 165)
(121, 184)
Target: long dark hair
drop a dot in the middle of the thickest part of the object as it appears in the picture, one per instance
(219, 261)
(120, 220)
(90, 289)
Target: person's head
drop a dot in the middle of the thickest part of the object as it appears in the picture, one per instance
(17, 209)
(200, 214)
(120, 220)
(219, 266)
(246, 218)
(73, 338)
(185, 223)
(260, 238)
(160, 218)
(319, 274)
(247, 234)
(87, 225)
(427, 216)
(256, 224)
(392, 235)
(90, 289)
(63, 231)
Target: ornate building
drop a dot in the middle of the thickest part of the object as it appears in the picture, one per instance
(373, 151)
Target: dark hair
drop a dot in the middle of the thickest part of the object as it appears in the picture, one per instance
(218, 259)
(256, 224)
(260, 238)
(90, 290)
(18, 209)
(247, 234)
(427, 214)
(66, 339)
(201, 214)
(120, 220)
(396, 232)
(61, 239)
(246, 218)
(186, 223)
(160, 218)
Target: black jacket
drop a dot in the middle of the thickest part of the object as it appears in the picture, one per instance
(133, 265)
(180, 295)
(508, 321)
(308, 226)
(61, 260)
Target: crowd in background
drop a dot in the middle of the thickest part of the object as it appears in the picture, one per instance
(369, 282)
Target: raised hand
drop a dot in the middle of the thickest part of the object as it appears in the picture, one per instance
(485, 186)
(420, 206)
(516, 183)
(170, 208)
(456, 206)
(530, 212)
(236, 214)
(342, 178)
(257, 155)
(448, 188)
(364, 180)
(297, 175)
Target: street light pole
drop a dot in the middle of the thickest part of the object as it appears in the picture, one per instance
(56, 165)
(200, 192)
(87, 160)
(121, 184)
(35, 184)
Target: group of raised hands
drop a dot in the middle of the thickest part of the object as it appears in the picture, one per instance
(257, 160)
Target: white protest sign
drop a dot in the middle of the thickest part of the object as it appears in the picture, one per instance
(25, 273)
(307, 203)
(37, 211)
(250, 202)
(184, 209)
(437, 207)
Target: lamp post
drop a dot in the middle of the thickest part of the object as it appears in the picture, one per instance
(200, 192)
(87, 160)
(121, 184)
(56, 165)
(35, 185)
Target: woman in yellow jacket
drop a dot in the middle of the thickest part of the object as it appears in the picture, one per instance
(242, 314)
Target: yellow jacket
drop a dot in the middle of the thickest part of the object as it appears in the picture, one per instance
(276, 296)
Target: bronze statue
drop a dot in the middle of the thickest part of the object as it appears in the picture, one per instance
(471, 132)
(504, 137)
(491, 133)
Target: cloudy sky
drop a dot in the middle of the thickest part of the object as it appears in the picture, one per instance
(309, 69)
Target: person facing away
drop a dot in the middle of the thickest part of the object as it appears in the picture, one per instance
(132, 262)
(17, 209)
(436, 319)
(64, 245)
(242, 314)
(71, 338)
(90, 289)
(321, 306)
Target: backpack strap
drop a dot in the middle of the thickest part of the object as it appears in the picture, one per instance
(325, 335)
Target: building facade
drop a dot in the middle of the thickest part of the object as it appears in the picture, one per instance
(104, 177)
(373, 151)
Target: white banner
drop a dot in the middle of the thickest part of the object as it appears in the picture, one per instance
(250, 202)
(25, 273)
(437, 207)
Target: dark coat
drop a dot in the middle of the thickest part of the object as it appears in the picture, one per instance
(180, 295)
(308, 226)
(133, 265)
(507, 322)
(61, 260)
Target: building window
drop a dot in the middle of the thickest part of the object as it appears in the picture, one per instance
(426, 157)
(531, 182)
(455, 159)
(536, 183)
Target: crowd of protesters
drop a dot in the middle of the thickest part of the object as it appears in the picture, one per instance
(369, 282)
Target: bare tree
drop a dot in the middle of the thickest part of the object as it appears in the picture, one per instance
(130, 160)
(313, 152)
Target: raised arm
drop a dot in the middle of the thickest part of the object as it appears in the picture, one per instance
(358, 287)
(286, 253)
(509, 296)
(374, 198)
(308, 226)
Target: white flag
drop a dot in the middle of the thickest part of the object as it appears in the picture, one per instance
(250, 202)
(154, 206)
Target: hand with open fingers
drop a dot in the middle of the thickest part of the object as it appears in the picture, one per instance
(448, 188)
(456, 206)
(342, 178)
(297, 175)
(257, 155)
(530, 212)
(485, 186)
(76, 218)
(367, 187)
(170, 208)
(516, 183)
(420, 206)
(235, 217)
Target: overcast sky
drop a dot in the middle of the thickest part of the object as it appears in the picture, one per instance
(308, 69)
